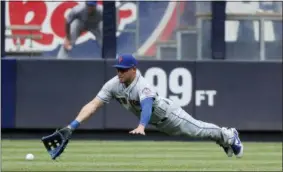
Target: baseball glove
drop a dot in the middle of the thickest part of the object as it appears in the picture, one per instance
(56, 143)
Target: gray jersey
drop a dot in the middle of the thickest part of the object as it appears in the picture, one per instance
(81, 12)
(166, 116)
(131, 96)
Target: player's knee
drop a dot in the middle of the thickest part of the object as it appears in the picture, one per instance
(192, 131)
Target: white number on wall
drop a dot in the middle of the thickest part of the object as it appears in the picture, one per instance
(179, 82)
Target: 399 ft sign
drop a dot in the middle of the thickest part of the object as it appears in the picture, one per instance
(177, 85)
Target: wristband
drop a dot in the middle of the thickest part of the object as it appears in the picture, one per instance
(75, 124)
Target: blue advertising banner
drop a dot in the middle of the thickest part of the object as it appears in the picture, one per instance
(8, 93)
(51, 93)
(245, 95)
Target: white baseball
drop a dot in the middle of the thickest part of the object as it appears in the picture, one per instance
(29, 156)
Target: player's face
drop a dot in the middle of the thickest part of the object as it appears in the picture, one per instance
(90, 8)
(126, 75)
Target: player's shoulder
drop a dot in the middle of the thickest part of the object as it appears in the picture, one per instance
(143, 83)
(99, 8)
(79, 8)
(114, 81)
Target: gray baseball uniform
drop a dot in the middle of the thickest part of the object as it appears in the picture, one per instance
(166, 116)
(80, 20)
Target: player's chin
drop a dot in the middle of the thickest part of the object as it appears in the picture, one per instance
(121, 80)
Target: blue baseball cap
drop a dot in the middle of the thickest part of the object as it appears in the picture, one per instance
(125, 61)
(91, 3)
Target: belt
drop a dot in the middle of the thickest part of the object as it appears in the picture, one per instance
(159, 122)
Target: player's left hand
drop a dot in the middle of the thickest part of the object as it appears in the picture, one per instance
(138, 130)
(56, 143)
(67, 44)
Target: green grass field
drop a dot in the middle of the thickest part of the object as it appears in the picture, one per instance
(140, 155)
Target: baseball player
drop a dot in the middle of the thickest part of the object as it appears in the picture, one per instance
(133, 92)
(83, 17)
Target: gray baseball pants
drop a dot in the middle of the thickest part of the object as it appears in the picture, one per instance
(77, 27)
(179, 122)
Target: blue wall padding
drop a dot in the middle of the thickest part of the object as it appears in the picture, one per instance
(8, 93)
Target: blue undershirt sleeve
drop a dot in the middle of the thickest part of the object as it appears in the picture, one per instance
(146, 106)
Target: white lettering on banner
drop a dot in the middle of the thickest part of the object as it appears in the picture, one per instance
(211, 94)
(202, 95)
(50, 15)
(161, 79)
(184, 89)
(252, 7)
(178, 86)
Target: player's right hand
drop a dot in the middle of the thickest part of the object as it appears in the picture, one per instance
(138, 130)
(67, 44)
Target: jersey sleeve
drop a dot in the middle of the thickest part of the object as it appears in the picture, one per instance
(106, 92)
(146, 92)
(99, 9)
(74, 13)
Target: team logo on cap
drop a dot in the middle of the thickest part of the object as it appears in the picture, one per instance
(146, 91)
(120, 59)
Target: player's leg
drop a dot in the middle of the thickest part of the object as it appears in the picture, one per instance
(227, 138)
(181, 123)
(75, 31)
(98, 33)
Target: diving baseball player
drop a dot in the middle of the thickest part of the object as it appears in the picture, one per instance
(133, 92)
(83, 17)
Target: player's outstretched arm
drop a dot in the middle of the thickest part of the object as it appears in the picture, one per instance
(86, 111)
(103, 96)
(58, 141)
(63, 135)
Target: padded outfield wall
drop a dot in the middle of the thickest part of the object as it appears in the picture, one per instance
(48, 94)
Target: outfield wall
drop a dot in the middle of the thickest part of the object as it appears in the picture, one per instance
(48, 94)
